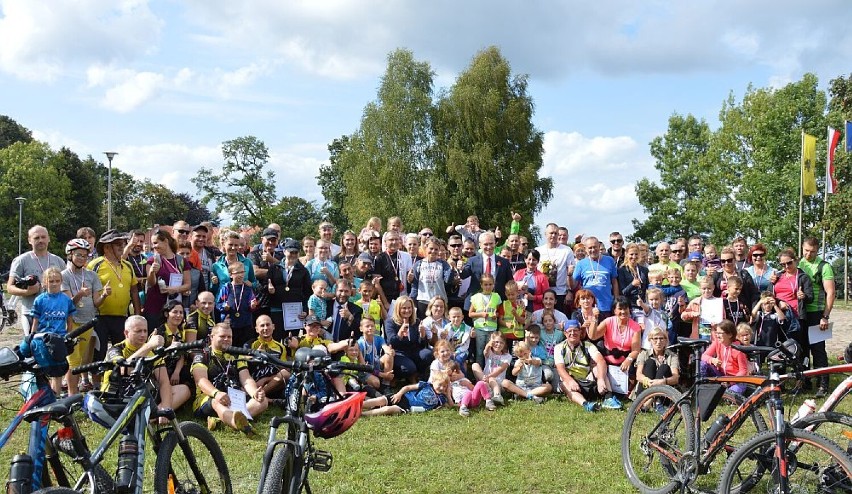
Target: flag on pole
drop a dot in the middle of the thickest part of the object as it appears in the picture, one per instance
(808, 163)
(830, 181)
(848, 131)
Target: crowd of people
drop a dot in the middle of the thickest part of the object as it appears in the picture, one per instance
(446, 318)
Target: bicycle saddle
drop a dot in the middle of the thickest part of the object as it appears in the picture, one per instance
(58, 408)
(307, 354)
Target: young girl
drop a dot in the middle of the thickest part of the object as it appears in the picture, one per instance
(512, 313)
(419, 397)
(771, 320)
(443, 352)
(722, 359)
(527, 371)
(550, 337)
(705, 312)
(316, 302)
(465, 393)
(497, 360)
(374, 309)
(657, 365)
(458, 333)
(356, 380)
(483, 312)
(744, 337)
(653, 315)
(236, 302)
(51, 313)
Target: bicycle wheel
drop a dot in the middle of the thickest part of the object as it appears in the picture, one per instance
(830, 425)
(4, 318)
(816, 465)
(173, 471)
(654, 439)
(281, 478)
(61, 470)
(56, 490)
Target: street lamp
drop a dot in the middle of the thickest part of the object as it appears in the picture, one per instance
(20, 220)
(110, 155)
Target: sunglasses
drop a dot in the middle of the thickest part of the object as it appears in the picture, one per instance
(788, 263)
(453, 246)
(426, 234)
(758, 254)
(677, 251)
(727, 259)
(573, 330)
(185, 232)
(616, 240)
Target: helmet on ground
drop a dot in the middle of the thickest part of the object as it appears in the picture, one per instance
(77, 243)
(336, 418)
(96, 412)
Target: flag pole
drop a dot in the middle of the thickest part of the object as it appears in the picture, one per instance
(825, 191)
(801, 191)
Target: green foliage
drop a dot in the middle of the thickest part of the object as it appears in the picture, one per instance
(87, 193)
(297, 217)
(330, 180)
(243, 187)
(12, 132)
(741, 179)
(473, 151)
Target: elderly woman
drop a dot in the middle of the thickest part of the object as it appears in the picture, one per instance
(658, 365)
(168, 277)
(219, 274)
(532, 283)
(761, 272)
(408, 339)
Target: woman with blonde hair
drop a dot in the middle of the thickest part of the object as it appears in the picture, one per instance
(408, 339)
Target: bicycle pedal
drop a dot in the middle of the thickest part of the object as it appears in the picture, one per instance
(322, 460)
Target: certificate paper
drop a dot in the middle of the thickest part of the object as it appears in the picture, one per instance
(291, 315)
(618, 379)
(816, 335)
(238, 401)
(175, 279)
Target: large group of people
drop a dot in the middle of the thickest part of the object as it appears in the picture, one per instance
(442, 319)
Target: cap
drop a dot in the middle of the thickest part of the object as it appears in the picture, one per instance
(694, 256)
(365, 257)
(311, 320)
(270, 232)
(200, 227)
(292, 245)
(572, 323)
(109, 237)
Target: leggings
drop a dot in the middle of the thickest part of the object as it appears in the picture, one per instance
(708, 370)
(480, 392)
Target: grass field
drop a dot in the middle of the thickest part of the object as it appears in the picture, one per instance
(523, 447)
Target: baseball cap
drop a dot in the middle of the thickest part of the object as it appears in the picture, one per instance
(311, 320)
(694, 256)
(365, 257)
(292, 245)
(270, 232)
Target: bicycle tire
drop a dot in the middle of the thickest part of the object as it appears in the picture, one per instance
(830, 473)
(4, 318)
(816, 421)
(657, 476)
(60, 470)
(172, 464)
(56, 490)
(281, 476)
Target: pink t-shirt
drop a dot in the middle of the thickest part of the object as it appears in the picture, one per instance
(614, 339)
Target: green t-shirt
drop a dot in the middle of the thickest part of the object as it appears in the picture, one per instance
(817, 278)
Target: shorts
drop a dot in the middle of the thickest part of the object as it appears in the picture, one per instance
(203, 407)
(82, 348)
(527, 387)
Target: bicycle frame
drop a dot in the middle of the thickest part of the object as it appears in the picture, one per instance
(839, 392)
(38, 442)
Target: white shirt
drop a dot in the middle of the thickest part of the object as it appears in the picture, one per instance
(560, 256)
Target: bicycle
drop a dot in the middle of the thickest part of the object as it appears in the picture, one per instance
(182, 462)
(8, 314)
(287, 462)
(672, 453)
(28, 470)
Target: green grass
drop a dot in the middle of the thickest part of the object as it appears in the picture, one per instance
(555, 447)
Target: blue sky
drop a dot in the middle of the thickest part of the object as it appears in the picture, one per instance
(163, 83)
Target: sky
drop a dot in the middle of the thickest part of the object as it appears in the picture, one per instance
(165, 82)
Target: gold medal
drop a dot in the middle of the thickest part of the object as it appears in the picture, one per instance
(236, 314)
(286, 288)
(121, 285)
(80, 304)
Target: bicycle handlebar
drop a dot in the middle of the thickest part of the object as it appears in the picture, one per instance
(82, 329)
(323, 363)
(140, 362)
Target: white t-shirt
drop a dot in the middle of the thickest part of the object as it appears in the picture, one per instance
(560, 256)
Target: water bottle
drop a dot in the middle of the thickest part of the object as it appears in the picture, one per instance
(807, 408)
(20, 475)
(125, 476)
(715, 429)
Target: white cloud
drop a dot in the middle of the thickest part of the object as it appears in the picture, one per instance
(133, 91)
(40, 41)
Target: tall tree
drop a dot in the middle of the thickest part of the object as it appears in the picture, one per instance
(12, 132)
(87, 195)
(195, 211)
(297, 217)
(837, 220)
(330, 180)
(244, 187)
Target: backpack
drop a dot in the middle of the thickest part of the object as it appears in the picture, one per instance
(49, 350)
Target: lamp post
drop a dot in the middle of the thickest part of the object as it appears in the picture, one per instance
(20, 220)
(110, 155)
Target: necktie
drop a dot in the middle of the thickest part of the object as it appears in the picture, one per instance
(488, 265)
(335, 330)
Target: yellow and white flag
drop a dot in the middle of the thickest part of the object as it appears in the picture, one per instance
(808, 164)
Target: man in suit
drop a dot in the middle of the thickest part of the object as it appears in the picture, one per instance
(345, 316)
(486, 262)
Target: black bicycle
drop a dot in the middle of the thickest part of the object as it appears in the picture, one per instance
(188, 458)
(312, 405)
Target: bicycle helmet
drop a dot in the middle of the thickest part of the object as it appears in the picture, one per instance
(77, 243)
(336, 418)
(95, 410)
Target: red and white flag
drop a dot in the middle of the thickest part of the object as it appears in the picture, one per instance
(830, 181)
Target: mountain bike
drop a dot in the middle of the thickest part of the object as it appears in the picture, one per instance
(8, 314)
(188, 458)
(663, 447)
(312, 405)
(28, 472)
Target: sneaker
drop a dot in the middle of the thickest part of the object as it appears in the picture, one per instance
(592, 406)
(464, 411)
(213, 423)
(241, 423)
(660, 408)
(85, 385)
(490, 406)
(611, 403)
(821, 392)
(498, 399)
(538, 400)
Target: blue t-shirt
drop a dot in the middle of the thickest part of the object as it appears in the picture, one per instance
(425, 397)
(597, 276)
(52, 311)
(372, 351)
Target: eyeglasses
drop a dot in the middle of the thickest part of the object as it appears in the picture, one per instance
(524, 243)
(453, 246)
(658, 338)
(616, 240)
(727, 259)
(677, 251)
(785, 264)
(573, 330)
(237, 272)
(182, 231)
(758, 254)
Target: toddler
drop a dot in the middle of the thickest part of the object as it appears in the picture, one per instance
(316, 302)
(458, 333)
(465, 393)
(744, 337)
(527, 371)
(497, 360)
(51, 313)
(443, 353)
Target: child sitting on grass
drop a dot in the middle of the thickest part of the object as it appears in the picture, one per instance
(458, 333)
(497, 360)
(419, 397)
(465, 393)
(527, 372)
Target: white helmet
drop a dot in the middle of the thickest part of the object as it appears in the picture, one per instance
(77, 243)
